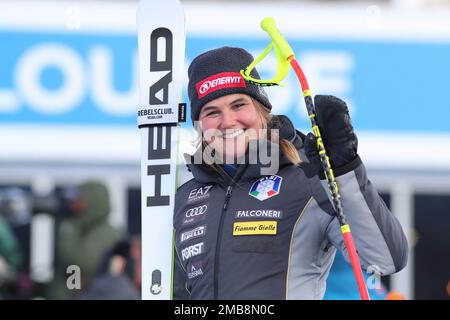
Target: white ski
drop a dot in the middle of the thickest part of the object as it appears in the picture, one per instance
(161, 45)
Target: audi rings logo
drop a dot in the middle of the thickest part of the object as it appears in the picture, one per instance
(204, 87)
(197, 211)
(195, 214)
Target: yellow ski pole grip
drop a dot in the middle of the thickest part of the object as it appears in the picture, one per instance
(268, 25)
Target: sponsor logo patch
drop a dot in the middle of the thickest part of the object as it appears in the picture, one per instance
(266, 187)
(195, 269)
(276, 214)
(199, 193)
(255, 228)
(192, 234)
(219, 81)
(195, 214)
(192, 251)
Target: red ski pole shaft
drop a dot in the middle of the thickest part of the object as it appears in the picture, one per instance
(332, 184)
(354, 260)
(285, 55)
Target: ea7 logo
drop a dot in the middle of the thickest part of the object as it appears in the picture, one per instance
(192, 251)
(199, 193)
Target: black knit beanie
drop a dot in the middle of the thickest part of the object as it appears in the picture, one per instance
(216, 73)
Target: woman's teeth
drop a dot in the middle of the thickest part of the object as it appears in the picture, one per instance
(233, 134)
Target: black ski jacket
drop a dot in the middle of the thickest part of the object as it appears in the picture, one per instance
(275, 236)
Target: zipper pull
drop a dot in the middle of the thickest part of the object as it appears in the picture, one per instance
(227, 197)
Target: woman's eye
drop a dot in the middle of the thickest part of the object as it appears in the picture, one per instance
(212, 113)
(238, 106)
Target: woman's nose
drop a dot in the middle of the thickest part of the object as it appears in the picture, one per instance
(228, 120)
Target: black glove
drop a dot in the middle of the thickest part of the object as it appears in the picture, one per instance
(337, 133)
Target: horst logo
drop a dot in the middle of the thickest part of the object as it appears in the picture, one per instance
(193, 251)
(219, 81)
(159, 133)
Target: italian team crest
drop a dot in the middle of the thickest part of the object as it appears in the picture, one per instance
(266, 187)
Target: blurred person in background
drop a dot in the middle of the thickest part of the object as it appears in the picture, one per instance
(83, 238)
(10, 260)
(15, 219)
(119, 273)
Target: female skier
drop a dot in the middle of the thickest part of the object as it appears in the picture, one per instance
(256, 222)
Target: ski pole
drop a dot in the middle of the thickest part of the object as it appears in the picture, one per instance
(285, 57)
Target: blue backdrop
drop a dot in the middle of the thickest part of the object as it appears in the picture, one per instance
(390, 86)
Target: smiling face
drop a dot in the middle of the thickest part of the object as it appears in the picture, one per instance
(228, 123)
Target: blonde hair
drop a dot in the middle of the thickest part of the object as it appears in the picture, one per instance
(288, 149)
